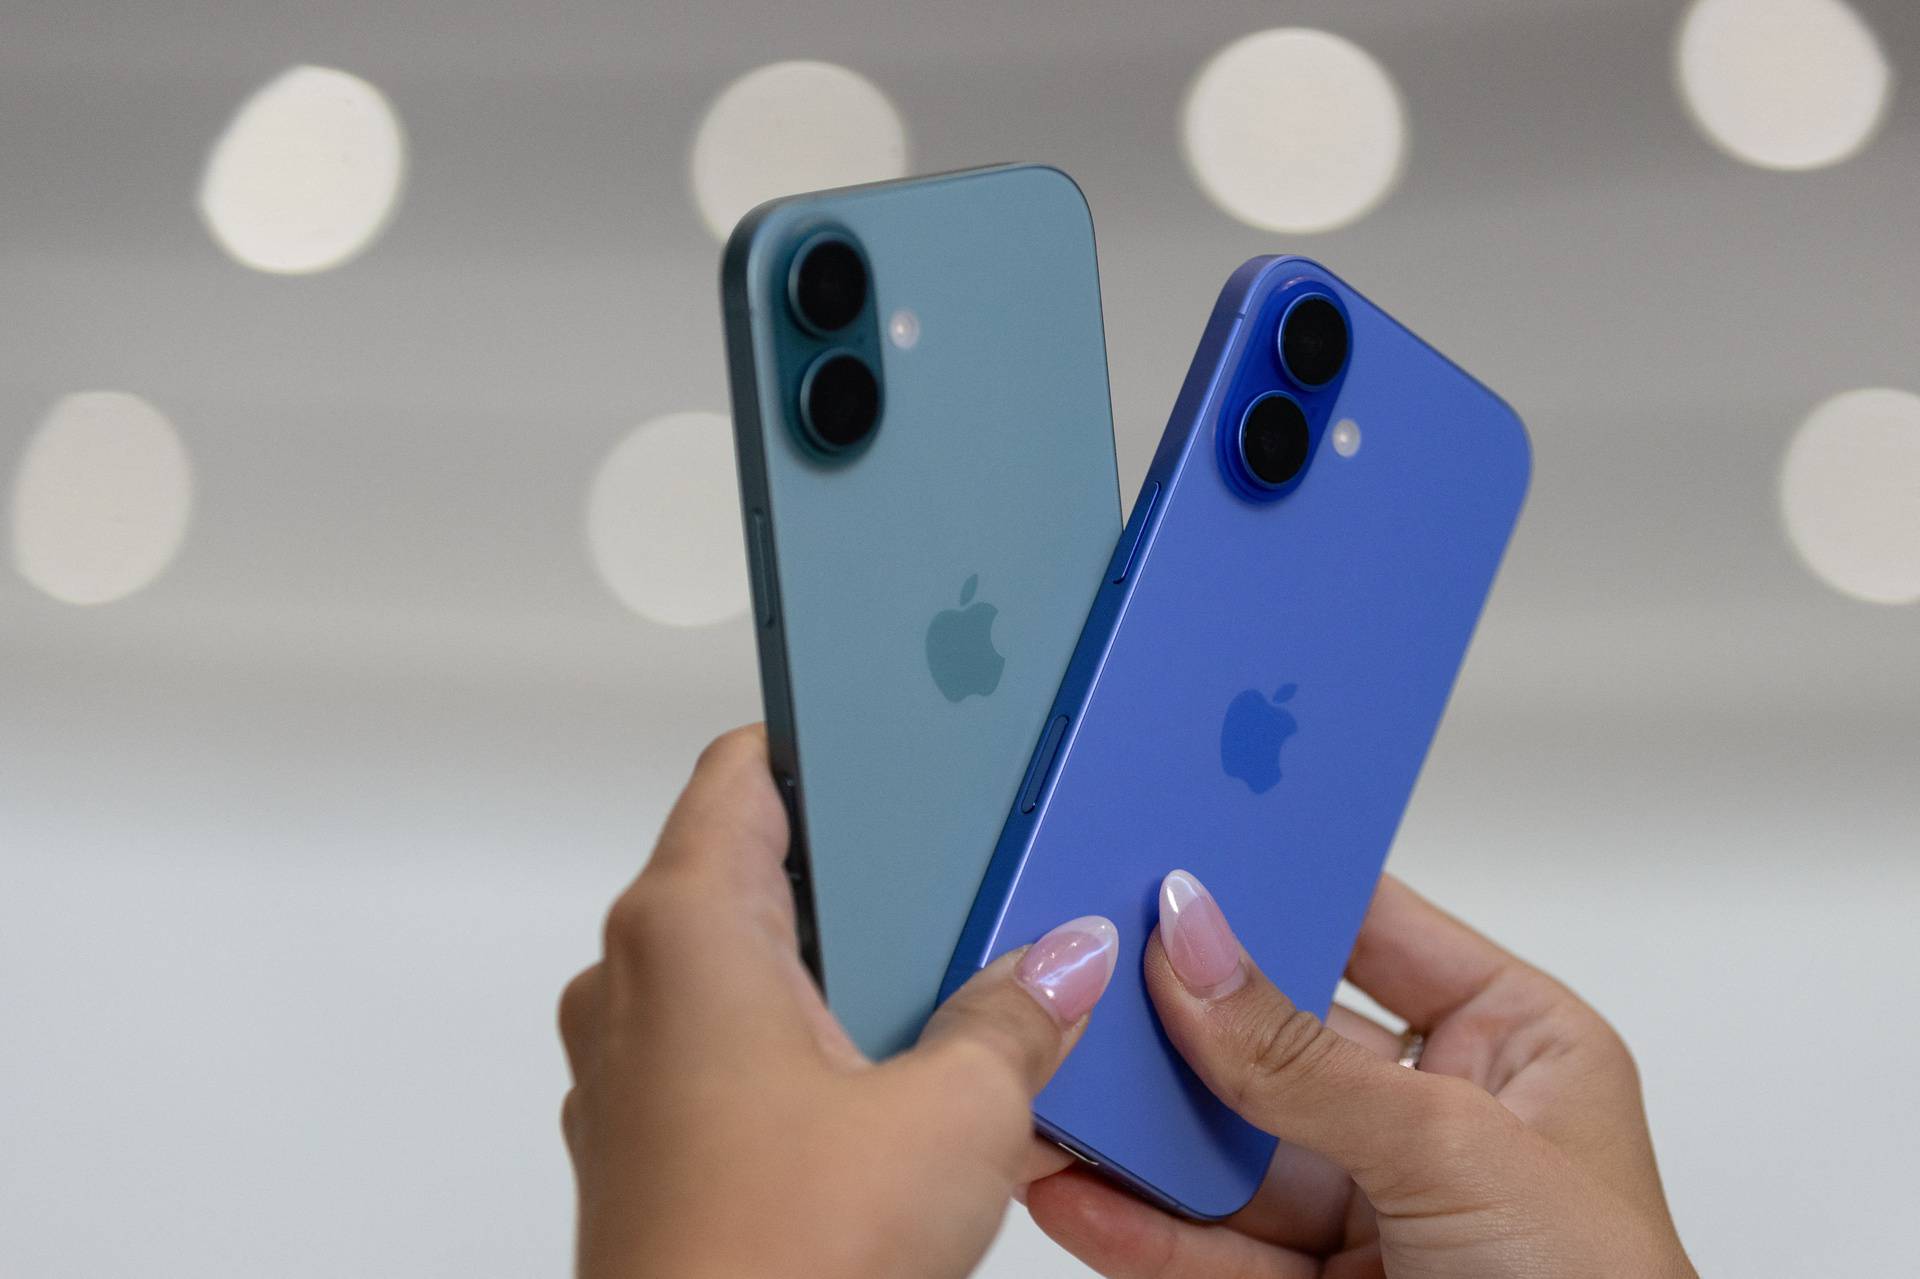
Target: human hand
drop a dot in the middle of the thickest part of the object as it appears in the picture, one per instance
(721, 1122)
(1519, 1147)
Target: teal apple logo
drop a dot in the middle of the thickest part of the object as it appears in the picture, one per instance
(1253, 733)
(960, 651)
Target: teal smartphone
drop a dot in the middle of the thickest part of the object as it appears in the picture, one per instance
(925, 447)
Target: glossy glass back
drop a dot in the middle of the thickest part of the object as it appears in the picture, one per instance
(1252, 703)
(917, 598)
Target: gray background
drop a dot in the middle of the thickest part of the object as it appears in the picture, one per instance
(298, 845)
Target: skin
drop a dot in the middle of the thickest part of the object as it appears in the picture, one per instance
(721, 1123)
(1519, 1148)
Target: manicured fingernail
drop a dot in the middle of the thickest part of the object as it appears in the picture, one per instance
(1067, 970)
(1202, 949)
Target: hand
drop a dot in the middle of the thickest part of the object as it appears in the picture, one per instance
(721, 1122)
(1519, 1148)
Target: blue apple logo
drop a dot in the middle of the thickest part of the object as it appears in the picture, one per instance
(1252, 735)
(960, 650)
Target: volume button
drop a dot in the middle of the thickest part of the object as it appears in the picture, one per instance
(760, 552)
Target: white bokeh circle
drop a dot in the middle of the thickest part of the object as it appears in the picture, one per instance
(663, 522)
(789, 127)
(307, 174)
(1850, 494)
(1783, 84)
(1294, 130)
(101, 499)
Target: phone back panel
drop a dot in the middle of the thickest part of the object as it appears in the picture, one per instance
(991, 477)
(1361, 589)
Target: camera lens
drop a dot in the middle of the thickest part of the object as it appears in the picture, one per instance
(840, 400)
(1274, 439)
(1313, 341)
(829, 286)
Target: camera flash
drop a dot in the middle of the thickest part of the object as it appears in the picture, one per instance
(1346, 437)
(903, 329)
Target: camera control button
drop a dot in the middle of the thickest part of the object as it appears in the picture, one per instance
(1042, 766)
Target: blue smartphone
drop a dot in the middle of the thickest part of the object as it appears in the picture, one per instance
(925, 447)
(1273, 644)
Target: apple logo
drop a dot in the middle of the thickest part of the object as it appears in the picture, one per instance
(960, 650)
(1252, 735)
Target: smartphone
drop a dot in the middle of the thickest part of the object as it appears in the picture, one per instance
(925, 448)
(1257, 684)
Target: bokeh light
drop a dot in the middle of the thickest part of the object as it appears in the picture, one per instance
(1783, 84)
(101, 499)
(307, 174)
(789, 127)
(663, 522)
(1850, 494)
(1294, 130)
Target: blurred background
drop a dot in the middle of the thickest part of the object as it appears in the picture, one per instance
(374, 570)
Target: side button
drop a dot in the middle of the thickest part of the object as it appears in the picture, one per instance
(1088, 1160)
(1131, 535)
(1042, 765)
(760, 552)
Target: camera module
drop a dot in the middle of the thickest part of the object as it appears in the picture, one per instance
(1274, 439)
(828, 286)
(1313, 341)
(839, 400)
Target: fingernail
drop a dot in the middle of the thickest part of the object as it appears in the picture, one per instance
(1202, 949)
(1067, 970)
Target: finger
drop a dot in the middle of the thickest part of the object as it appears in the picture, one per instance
(1288, 1073)
(1043, 1159)
(1303, 1200)
(1125, 1238)
(1418, 961)
(700, 948)
(1361, 1261)
(1497, 1020)
(997, 1040)
(728, 832)
(1513, 1030)
(570, 1121)
(835, 1044)
(1023, 1009)
(1364, 1031)
(579, 1011)
(1301, 1204)
(728, 836)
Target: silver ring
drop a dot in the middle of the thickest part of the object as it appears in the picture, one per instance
(1413, 1045)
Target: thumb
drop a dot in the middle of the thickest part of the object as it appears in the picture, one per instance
(1395, 1131)
(997, 1040)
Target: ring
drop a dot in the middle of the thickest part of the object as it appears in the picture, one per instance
(1413, 1045)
